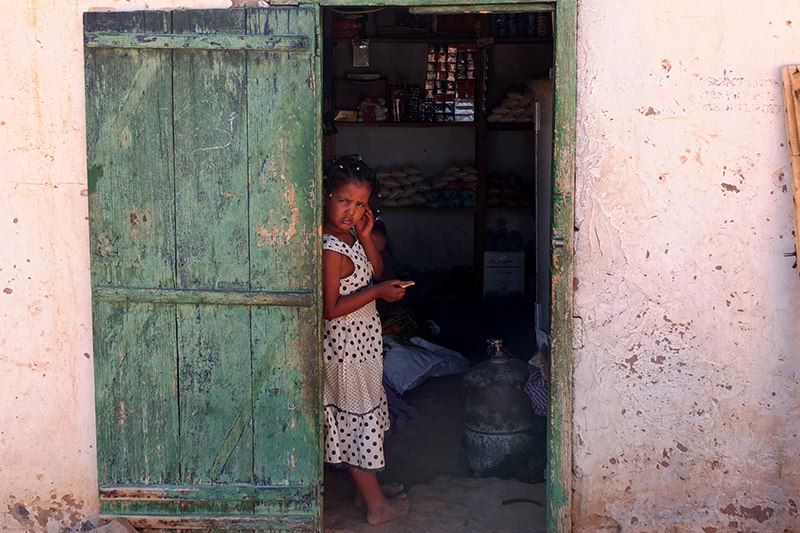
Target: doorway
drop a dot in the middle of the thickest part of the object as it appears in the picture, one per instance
(454, 112)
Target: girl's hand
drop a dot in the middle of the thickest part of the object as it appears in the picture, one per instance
(391, 290)
(365, 225)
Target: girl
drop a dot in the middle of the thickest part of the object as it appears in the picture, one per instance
(355, 403)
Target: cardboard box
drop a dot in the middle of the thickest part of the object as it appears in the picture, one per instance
(503, 273)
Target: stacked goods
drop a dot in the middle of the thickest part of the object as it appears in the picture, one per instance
(455, 178)
(517, 106)
(520, 25)
(455, 187)
(402, 186)
(372, 110)
(405, 103)
(450, 83)
(405, 186)
(505, 191)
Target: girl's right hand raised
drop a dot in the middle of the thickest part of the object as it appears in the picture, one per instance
(390, 290)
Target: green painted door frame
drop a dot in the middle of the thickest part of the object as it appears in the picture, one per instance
(559, 434)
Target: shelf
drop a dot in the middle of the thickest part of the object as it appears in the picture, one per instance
(421, 208)
(522, 40)
(510, 208)
(483, 42)
(406, 124)
(411, 40)
(510, 126)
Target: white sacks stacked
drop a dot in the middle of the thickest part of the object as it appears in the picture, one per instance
(456, 178)
(402, 186)
(516, 106)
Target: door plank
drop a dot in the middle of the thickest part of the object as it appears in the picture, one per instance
(211, 157)
(283, 124)
(129, 155)
(129, 138)
(282, 166)
(211, 212)
(214, 348)
(286, 410)
(135, 393)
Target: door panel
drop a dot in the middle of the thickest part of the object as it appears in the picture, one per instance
(284, 136)
(203, 133)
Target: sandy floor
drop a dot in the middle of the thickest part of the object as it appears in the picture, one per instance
(428, 457)
(452, 505)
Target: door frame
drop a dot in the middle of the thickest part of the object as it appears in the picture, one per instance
(559, 428)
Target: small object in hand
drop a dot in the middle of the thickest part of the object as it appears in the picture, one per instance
(406, 284)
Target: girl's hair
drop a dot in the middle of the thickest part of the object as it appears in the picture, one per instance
(348, 169)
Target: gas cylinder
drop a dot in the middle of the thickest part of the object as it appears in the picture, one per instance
(498, 415)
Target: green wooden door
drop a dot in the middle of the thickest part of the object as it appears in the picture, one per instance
(204, 167)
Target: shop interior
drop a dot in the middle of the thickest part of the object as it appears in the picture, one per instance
(454, 112)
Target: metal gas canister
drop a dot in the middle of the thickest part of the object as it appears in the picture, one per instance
(498, 415)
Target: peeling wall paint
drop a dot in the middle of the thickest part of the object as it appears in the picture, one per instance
(687, 405)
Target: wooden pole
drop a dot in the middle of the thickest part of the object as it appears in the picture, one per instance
(791, 100)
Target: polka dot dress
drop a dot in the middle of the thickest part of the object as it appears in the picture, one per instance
(356, 412)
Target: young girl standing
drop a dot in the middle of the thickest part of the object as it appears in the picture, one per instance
(356, 414)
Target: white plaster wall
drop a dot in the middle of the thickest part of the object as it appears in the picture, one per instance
(687, 341)
(48, 472)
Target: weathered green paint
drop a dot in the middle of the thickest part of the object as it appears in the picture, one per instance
(94, 174)
(206, 280)
(228, 498)
(135, 344)
(197, 42)
(129, 137)
(481, 8)
(283, 160)
(211, 522)
(281, 338)
(198, 296)
(559, 479)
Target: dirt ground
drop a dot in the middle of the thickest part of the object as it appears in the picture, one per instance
(427, 456)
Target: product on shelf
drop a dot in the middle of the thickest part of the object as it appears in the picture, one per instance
(520, 25)
(450, 84)
(455, 187)
(505, 190)
(405, 103)
(372, 110)
(406, 186)
(517, 106)
(346, 25)
(401, 186)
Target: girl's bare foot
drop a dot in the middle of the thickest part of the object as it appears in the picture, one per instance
(391, 510)
(389, 491)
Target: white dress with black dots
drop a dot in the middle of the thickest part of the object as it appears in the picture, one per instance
(356, 413)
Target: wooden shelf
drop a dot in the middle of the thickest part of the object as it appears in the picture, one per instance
(522, 40)
(424, 209)
(486, 41)
(411, 40)
(510, 208)
(406, 124)
(510, 126)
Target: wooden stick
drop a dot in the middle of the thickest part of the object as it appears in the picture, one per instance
(791, 100)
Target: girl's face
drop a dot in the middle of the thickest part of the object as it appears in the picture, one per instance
(346, 205)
